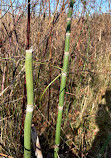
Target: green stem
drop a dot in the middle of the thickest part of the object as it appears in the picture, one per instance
(63, 81)
(30, 100)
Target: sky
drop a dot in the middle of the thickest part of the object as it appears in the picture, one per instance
(100, 6)
(103, 3)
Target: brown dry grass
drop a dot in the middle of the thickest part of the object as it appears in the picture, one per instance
(86, 118)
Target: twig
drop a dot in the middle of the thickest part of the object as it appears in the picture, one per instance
(5, 155)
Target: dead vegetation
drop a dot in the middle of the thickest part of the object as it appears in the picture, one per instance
(86, 120)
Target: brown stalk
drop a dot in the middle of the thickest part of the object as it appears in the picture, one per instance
(50, 69)
(3, 79)
(14, 23)
(28, 25)
(50, 57)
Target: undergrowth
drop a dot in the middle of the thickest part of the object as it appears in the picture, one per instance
(86, 122)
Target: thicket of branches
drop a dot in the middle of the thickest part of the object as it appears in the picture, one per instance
(86, 117)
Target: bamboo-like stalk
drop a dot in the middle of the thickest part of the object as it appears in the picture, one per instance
(27, 47)
(63, 80)
(30, 100)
